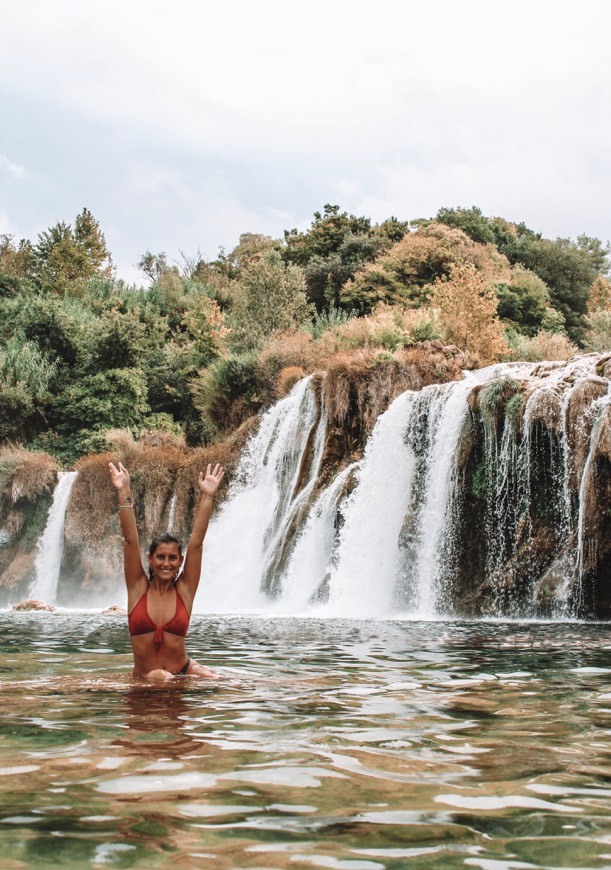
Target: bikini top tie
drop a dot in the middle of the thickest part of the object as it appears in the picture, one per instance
(140, 622)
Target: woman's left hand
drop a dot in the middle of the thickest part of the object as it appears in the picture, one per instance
(209, 483)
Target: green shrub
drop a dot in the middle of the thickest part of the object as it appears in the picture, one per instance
(225, 382)
(493, 397)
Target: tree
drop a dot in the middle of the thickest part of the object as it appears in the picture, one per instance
(270, 296)
(205, 324)
(25, 377)
(524, 302)
(470, 220)
(468, 303)
(16, 261)
(569, 270)
(404, 273)
(64, 258)
(154, 265)
(114, 399)
(335, 246)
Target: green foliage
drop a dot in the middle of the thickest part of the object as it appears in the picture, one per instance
(328, 318)
(325, 236)
(335, 247)
(428, 326)
(598, 331)
(493, 398)
(82, 352)
(18, 416)
(569, 269)
(471, 221)
(270, 297)
(21, 362)
(161, 422)
(66, 256)
(524, 303)
(225, 382)
(112, 399)
(35, 514)
(25, 376)
(515, 407)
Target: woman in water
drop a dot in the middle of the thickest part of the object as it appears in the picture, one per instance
(160, 604)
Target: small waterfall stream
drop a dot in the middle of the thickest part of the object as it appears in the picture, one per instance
(172, 514)
(51, 543)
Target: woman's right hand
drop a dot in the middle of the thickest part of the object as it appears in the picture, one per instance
(119, 477)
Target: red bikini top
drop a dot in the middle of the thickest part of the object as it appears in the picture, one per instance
(140, 622)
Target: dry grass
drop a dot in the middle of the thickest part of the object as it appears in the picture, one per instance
(544, 346)
(287, 379)
(361, 385)
(25, 475)
(90, 516)
(121, 443)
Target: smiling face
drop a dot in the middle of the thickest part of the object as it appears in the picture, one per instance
(165, 561)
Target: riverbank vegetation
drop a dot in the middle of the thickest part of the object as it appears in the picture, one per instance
(202, 346)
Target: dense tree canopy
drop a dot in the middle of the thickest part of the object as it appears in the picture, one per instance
(81, 352)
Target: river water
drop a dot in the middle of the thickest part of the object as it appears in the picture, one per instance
(324, 743)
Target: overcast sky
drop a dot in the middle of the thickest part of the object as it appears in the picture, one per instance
(181, 125)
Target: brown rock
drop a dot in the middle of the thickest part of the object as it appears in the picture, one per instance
(18, 570)
(33, 604)
(114, 610)
(604, 436)
(544, 406)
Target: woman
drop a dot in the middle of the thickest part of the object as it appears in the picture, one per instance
(160, 605)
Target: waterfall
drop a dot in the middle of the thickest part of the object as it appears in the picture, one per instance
(250, 538)
(396, 540)
(491, 459)
(368, 557)
(172, 514)
(51, 543)
(311, 560)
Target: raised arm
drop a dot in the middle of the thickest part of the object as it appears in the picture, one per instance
(132, 562)
(207, 485)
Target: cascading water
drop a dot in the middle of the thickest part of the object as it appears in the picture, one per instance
(274, 479)
(430, 521)
(172, 514)
(312, 557)
(51, 543)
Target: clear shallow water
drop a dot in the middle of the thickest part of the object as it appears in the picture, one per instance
(336, 744)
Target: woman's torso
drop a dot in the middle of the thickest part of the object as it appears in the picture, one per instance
(149, 616)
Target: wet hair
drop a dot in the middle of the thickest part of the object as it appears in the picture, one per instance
(165, 538)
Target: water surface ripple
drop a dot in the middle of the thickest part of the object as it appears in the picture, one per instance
(336, 744)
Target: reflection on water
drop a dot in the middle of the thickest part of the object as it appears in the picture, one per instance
(324, 744)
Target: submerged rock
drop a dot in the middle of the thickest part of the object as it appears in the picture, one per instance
(114, 610)
(33, 604)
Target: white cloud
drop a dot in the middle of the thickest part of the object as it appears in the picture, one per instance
(14, 170)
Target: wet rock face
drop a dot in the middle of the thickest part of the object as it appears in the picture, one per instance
(546, 486)
(580, 419)
(544, 406)
(34, 604)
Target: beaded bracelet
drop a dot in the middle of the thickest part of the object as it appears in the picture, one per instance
(128, 506)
